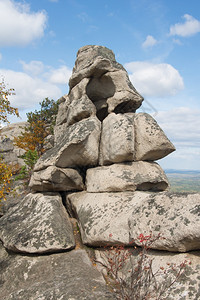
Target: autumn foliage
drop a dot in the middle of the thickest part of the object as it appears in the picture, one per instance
(5, 110)
(5, 106)
(41, 124)
(5, 179)
(33, 137)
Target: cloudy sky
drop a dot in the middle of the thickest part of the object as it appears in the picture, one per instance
(157, 41)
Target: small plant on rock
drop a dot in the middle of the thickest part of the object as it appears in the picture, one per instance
(5, 179)
(134, 276)
(30, 158)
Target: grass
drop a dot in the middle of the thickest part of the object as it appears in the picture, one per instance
(184, 181)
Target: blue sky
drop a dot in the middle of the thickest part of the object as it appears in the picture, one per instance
(158, 42)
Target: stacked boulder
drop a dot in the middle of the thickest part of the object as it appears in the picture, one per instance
(101, 144)
(104, 158)
(102, 168)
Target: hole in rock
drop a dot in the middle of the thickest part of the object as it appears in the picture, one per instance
(149, 186)
(125, 107)
(99, 89)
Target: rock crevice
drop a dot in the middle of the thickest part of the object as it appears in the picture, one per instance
(103, 165)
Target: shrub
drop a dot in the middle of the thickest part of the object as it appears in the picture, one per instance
(30, 158)
(134, 277)
(5, 179)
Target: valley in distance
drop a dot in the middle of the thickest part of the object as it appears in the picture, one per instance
(183, 180)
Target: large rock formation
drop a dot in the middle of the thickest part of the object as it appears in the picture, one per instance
(11, 153)
(103, 165)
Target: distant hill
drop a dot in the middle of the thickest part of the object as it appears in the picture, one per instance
(174, 171)
(184, 180)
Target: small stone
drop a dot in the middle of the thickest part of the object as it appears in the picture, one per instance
(54, 179)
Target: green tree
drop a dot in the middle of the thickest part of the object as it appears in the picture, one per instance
(46, 114)
(41, 124)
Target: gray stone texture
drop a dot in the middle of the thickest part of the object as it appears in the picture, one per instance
(102, 145)
(117, 139)
(175, 216)
(110, 218)
(37, 224)
(126, 177)
(54, 179)
(109, 80)
(79, 147)
(79, 109)
(6, 145)
(151, 142)
(62, 276)
(11, 154)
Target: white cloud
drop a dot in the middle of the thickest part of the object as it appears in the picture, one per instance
(182, 125)
(36, 82)
(155, 80)
(149, 42)
(189, 28)
(18, 25)
(34, 67)
(29, 90)
(178, 42)
(60, 75)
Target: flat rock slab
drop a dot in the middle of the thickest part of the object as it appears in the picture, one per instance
(37, 224)
(53, 179)
(175, 216)
(131, 176)
(114, 218)
(61, 276)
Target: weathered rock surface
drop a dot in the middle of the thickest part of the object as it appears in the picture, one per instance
(6, 145)
(68, 275)
(12, 130)
(151, 142)
(175, 216)
(110, 218)
(9, 152)
(56, 179)
(79, 109)
(165, 265)
(64, 103)
(117, 139)
(103, 214)
(116, 159)
(37, 224)
(126, 177)
(48, 142)
(79, 147)
(109, 80)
